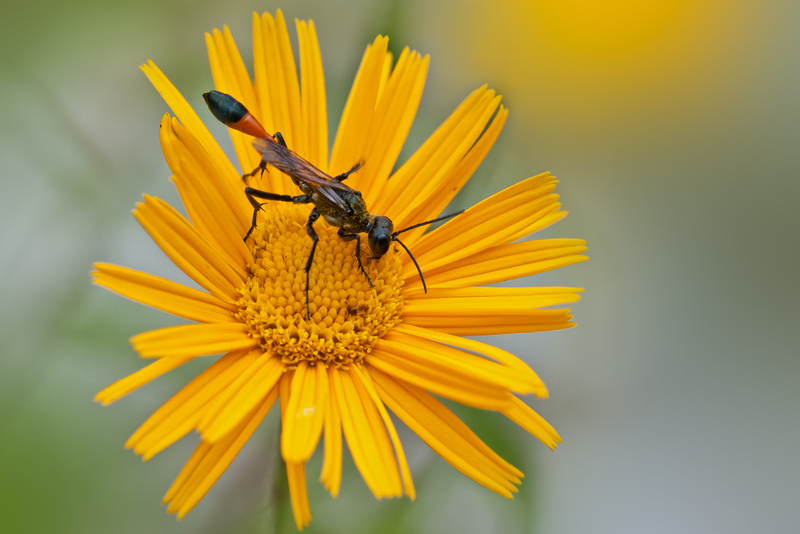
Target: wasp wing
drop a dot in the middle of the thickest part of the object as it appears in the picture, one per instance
(298, 168)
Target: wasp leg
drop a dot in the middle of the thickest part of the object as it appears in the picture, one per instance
(281, 141)
(279, 138)
(252, 194)
(261, 167)
(345, 236)
(342, 177)
(256, 208)
(313, 235)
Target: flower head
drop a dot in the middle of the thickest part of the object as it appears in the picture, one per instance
(363, 351)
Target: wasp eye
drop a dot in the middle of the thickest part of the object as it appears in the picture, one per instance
(380, 235)
(379, 244)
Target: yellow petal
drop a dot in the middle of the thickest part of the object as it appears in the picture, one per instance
(230, 76)
(187, 249)
(351, 136)
(425, 171)
(490, 351)
(534, 188)
(278, 93)
(295, 471)
(524, 416)
(447, 435)
(298, 493)
(192, 340)
(312, 94)
(437, 341)
(331, 475)
(182, 413)
(184, 112)
(262, 58)
(292, 106)
(366, 437)
(538, 296)
(482, 310)
(209, 461)
(485, 305)
(363, 381)
(400, 362)
(305, 412)
(163, 294)
(219, 211)
(483, 325)
(385, 72)
(388, 128)
(499, 263)
(141, 377)
(277, 87)
(507, 324)
(491, 222)
(459, 363)
(263, 368)
(440, 192)
(248, 390)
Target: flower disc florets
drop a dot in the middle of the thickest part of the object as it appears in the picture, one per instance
(347, 316)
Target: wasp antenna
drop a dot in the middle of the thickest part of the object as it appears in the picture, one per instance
(394, 238)
(437, 219)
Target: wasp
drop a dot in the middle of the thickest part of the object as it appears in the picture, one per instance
(341, 206)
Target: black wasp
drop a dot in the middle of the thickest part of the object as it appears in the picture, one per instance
(338, 204)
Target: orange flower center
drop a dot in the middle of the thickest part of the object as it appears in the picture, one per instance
(347, 315)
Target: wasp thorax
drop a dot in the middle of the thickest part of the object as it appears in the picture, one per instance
(347, 315)
(380, 235)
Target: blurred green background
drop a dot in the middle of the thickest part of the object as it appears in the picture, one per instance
(674, 127)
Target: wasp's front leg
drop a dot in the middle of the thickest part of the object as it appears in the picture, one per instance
(347, 236)
(313, 235)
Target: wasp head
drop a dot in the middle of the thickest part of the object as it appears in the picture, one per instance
(379, 235)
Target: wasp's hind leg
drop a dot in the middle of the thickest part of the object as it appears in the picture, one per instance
(279, 138)
(253, 194)
(345, 236)
(342, 177)
(263, 165)
(313, 235)
(261, 168)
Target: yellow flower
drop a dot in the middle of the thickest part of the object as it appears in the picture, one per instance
(364, 352)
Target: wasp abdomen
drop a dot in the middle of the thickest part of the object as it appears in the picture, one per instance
(233, 114)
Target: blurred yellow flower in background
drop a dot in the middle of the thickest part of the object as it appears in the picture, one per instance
(362, 350)
(593, 65)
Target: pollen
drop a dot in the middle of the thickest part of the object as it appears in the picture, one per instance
(347, 315)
